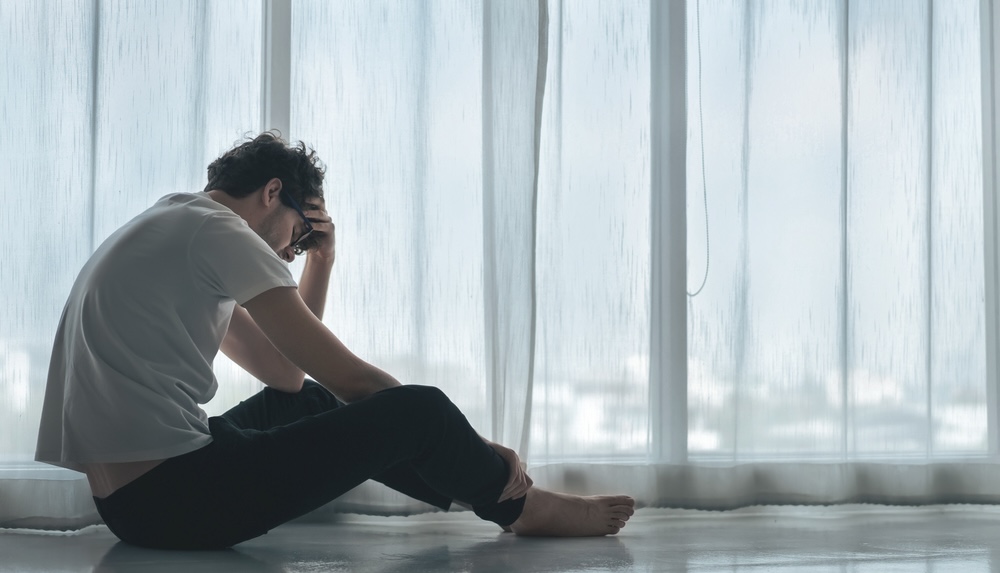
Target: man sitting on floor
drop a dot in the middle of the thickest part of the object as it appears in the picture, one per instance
(200, 272)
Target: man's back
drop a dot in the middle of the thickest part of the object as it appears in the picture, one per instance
(134, 349)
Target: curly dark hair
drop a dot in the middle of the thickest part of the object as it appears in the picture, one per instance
(252, 163)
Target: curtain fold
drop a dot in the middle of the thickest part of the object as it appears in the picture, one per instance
(489, 170)
(514, 70)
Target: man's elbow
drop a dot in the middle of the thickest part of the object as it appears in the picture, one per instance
(363, 384)
(289, 384)
(293, 388)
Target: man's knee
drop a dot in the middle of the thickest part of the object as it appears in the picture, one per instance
(425, 402)
(313, 388)
(425, 396)
(318, 398)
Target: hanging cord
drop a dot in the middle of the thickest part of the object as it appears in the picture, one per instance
(701, 130)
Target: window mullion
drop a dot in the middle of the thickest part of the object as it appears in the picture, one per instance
(668, 229)
(276, 66)
(989, 24)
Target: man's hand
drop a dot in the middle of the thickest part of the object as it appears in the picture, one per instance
(320, 253)
(519, 483)
(324, 236)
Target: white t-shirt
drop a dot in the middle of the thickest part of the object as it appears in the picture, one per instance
(133, 354)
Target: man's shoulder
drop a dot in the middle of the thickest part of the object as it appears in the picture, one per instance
(199, 200)
(198, 208)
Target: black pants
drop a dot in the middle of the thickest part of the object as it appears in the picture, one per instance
(277, 456)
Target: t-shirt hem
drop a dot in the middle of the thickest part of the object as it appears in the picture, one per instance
(57, 459)
(53, 460)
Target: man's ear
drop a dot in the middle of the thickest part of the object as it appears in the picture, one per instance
(271, 191)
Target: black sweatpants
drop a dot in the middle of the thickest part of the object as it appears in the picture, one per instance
(277, 456)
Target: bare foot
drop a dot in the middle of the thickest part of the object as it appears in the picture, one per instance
(553, 514)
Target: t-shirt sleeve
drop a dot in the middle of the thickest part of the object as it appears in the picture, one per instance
(230, 260)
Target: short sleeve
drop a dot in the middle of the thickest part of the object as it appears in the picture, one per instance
(232, 261)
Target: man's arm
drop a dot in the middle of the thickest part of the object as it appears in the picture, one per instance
(247, 345)
(307, 343)
(315, 282)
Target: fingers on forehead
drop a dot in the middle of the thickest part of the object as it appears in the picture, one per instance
(320, 219)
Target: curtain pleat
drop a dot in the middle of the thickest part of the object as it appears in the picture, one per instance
(514, 64)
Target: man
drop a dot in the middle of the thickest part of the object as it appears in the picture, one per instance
(200, 272)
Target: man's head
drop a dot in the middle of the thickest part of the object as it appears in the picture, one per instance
(247, 167)
(273, 183)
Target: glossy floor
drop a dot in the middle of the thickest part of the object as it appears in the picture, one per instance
(962, 539)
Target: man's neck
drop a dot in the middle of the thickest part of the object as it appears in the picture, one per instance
(240, 206)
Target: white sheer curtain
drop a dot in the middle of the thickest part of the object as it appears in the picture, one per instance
(843, 316)
(106, 107)
(843, 321)
(489, 174)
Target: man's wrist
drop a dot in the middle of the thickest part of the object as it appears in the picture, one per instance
(321, 259)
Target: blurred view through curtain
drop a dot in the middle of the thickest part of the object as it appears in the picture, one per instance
(489, 175)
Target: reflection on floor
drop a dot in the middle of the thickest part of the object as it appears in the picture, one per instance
(856, 538)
